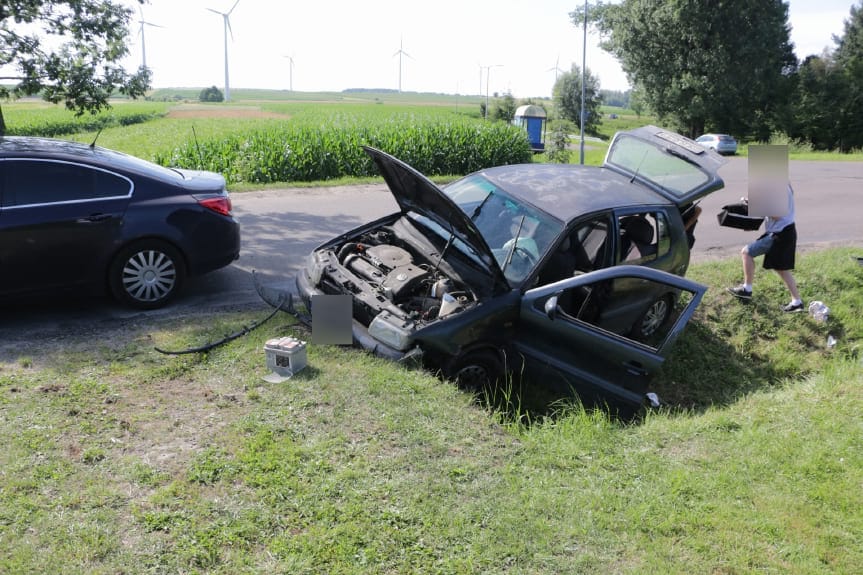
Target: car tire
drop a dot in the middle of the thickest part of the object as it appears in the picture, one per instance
(477, 370)
(653, 318)
(147, 274)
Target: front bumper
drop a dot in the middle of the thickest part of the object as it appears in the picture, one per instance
(359, 332)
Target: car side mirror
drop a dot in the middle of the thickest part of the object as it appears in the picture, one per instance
(551, 307)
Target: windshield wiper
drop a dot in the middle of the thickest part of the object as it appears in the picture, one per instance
(509, 255)
(478, 209)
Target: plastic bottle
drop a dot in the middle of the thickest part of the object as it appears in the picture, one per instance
(819, 311)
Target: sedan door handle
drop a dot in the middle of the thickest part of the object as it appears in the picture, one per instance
(94, 218)
(635, 368)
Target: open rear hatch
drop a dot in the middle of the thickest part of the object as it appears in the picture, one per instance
(676, 167)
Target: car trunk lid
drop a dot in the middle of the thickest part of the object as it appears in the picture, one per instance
(674, 166)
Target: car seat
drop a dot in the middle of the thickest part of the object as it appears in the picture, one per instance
(636, 231)
(561, 264)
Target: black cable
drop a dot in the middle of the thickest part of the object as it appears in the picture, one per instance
(226, 339)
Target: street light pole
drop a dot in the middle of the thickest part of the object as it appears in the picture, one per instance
(487, 76)
(583, 77)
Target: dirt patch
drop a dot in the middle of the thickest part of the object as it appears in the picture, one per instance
(221, 112)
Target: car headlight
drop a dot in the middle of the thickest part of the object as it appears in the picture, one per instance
(391, 330)
(315, 264)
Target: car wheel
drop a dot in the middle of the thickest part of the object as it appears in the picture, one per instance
(653, 318)
(477, 370)
(147, 274)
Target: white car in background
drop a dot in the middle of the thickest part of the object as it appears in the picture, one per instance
(722, 143)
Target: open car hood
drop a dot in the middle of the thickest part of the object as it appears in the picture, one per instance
(416, 193)
(674, 166)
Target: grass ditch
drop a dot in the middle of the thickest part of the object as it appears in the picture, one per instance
(120, 459)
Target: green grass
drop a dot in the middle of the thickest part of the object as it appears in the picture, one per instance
(119, 459)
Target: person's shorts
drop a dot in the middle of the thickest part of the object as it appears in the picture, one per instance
(760, 246)
(777, 248)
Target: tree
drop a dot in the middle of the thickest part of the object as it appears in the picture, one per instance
(827, 108)
(567, 99)
(636, 101)
(616, 98)
(819, 94)
(211, 94)
(66, 51)
(849, 58)
(557, 151)
(849, 46)
(504, 108)
(722, 65)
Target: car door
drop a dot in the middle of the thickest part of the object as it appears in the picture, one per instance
(576, 334)
(58, 222)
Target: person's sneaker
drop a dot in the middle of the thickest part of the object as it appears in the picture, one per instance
(740, 292)
(792, 307)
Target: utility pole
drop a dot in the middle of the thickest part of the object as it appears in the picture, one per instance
(487, 75)
(583, 77)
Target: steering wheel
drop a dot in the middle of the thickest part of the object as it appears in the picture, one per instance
(525, 254)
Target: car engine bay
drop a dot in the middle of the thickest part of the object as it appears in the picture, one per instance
(384, 273)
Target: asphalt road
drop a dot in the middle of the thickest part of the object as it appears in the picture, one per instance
(280, 227)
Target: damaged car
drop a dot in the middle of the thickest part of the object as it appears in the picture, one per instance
(567, 274)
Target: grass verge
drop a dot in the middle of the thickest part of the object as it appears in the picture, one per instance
(118, 459)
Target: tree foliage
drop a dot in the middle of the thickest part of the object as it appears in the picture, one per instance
(211, 94)
(617, 98)
(717, 65)
(66, 51)
(504, 108)
(849, 58)
(827, 109)
(819, 94)
(557, 151)
(567, 99)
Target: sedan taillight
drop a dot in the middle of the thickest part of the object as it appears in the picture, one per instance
(220, 205)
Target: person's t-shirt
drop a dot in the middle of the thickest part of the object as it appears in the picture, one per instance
(776, 225)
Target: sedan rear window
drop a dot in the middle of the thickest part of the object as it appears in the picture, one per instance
(34, 182)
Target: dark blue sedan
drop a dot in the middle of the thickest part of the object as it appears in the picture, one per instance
(74, 216)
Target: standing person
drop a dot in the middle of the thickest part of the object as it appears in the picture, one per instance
(778, 245)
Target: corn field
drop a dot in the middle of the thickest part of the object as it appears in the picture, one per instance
(306, 151)
(285, 142)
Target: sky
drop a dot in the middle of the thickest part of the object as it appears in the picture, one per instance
(447, 46)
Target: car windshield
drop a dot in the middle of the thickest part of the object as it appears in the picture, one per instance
(517, 233)
(657, 165)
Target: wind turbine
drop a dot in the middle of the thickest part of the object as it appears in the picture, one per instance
(291, 68)
(227, 22)
(143, 23)
(401, 53)
(556, 69)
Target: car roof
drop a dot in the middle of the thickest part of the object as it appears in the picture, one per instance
(26, 146)
(568, 191)
(66, 150)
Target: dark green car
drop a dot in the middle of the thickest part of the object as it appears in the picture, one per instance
(570, 274)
